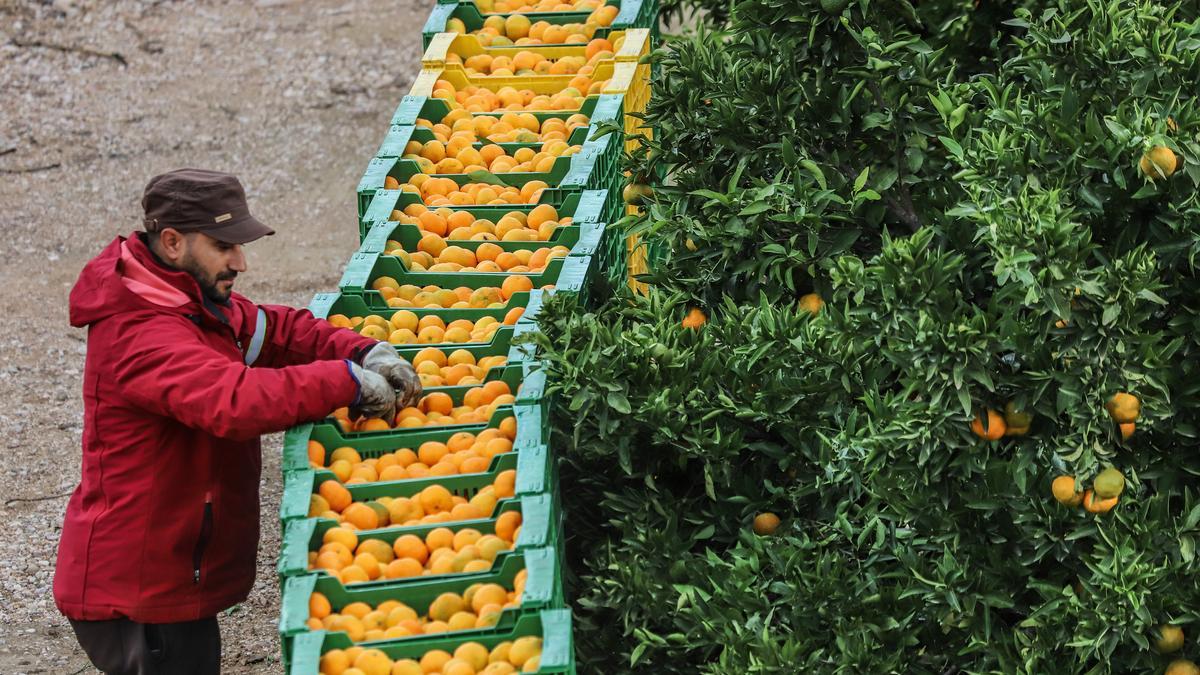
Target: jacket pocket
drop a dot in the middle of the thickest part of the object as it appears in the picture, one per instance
(206, 526)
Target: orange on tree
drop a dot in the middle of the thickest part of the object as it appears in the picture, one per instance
(1158, 163)
(694, 319)
(1124, 407)
(766, 524)
(1109, 483)
(1182, 667)
(811, 303)
(1017, 420)
(1094, 504)
(1169, 639)
(1063, 489)
(994, 429)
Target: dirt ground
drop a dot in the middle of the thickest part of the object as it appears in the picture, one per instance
(96, 97)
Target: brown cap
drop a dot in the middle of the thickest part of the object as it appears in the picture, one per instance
(198, 200)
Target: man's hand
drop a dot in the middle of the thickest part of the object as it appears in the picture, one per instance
(376, 397)
(382, 359)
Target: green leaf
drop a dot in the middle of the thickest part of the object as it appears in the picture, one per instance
(618, 402)
(483, 176)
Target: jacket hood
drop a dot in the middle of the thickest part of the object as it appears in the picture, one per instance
(126, 277)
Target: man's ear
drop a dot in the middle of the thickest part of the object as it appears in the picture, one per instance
(171, 243)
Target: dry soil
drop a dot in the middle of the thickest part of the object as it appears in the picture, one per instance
(96, 97)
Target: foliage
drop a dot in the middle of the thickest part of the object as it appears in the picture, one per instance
(959, 181)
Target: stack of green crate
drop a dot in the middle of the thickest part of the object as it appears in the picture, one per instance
(469, 473)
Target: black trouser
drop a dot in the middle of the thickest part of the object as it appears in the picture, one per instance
(122, 647)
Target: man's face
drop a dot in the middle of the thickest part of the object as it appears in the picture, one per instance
(213, 264)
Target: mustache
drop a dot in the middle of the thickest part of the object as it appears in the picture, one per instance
(227, 276)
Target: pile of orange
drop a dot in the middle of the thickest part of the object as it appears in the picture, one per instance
(539, 224)
(527, 63)
(479, 606)
(442, 551)
(462, 453)
(435, 191)
(459, 155)
(487, 257)
(411, 295)
(532, 6)
(478, 99)
(437, 409)
(510, 127)
(434, 504)
(523, 655)
(404, 328)
(499, 31)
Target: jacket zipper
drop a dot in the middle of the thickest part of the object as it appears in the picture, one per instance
(206, 525)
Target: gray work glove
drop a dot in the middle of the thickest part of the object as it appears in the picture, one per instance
(382, 359)
(376, 398)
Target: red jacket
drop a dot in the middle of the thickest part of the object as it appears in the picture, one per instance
(163, 526)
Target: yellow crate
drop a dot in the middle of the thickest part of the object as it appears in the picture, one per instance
(636, 45)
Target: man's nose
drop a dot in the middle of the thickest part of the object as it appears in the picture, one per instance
(237, 259)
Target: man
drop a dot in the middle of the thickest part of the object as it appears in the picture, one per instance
(182, 376)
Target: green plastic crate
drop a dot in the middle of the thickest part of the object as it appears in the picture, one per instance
(582, 239)
(399, 135)
(633, 14)
(413, 108)
(355, 303)
(532, 464)
(567, 173)
(531, 393)
(552, 625)
(569, 276)
(530, 431)
(543, 590)
(540, 516)
(588, 206)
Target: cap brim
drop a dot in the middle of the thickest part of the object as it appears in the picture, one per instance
(241, 231)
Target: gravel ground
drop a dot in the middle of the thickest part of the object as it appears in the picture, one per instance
(292, 95)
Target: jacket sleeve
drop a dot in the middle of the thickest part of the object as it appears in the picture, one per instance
(295, 336)
(163, 367)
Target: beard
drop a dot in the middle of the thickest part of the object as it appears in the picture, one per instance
(208, 283)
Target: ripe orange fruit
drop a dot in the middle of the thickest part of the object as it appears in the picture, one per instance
(1169, 639)
(995, 425)
(1124, 408)
(318, 606)
(1127, 429)
(765, 524)
(811, 303)
(1096, 505)
(694, 319)
(439, 402)
(1063, 489)
(1182, 667)
(1158, 163)
(507, 524)
(361, 516)
(515, 284)
(316, 453)
(336, 494)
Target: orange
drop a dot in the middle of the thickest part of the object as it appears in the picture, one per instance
(411, 546)
(336, 494)
(443, 537)
(436, 402)
(1063, 489)
(318, 606)
(361, 516)
(432, 452)
(505, 483)
(995, 425)
(694, 319)
(765, 524)
(811, 303)
(515, 284)
(403, 568)
(508, 427)
(1124, 408)
(432, 223)
(1096, 505)
(316, 453)
(436, 499)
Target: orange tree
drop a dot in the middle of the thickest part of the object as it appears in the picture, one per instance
(981, 197)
